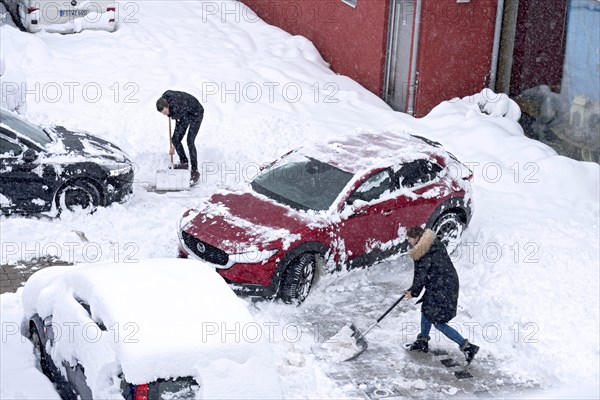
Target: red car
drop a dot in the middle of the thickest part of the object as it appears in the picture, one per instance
(342, 204)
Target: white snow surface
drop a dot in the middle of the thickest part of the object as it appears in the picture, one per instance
(13, 85)
(529, 264)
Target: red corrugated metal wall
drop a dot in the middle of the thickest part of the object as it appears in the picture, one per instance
(455, 50)
(352, 40)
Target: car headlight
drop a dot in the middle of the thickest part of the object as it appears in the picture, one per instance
(253, 256)
(120, 171)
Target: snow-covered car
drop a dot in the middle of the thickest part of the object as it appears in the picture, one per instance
(67, 16)
(55, 169)
(155, 329)
(343, 204)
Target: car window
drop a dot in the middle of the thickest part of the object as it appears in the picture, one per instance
(8, 149)
(372, 188)
(302, 182)
(417, 173)
(31, 131)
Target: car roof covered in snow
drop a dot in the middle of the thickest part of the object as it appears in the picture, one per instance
(369, 150)
(163, 317)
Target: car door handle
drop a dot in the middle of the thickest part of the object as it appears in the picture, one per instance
(387, 212)
(358, 213)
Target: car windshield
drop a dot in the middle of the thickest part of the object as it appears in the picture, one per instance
(31, 131)
(302, 182)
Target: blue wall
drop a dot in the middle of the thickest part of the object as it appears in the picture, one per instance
(582, 64)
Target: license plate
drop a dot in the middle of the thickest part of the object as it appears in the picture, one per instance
(73, 13)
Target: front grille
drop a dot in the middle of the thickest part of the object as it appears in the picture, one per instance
(210, 254)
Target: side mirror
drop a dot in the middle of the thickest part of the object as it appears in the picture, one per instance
(29, 156)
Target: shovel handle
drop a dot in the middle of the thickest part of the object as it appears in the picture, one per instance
(383, 316)
(170, 141)
(390, 309)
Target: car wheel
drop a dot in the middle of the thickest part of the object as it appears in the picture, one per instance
(78, 195)
(40, 352)
(449, 228)
(298, 279)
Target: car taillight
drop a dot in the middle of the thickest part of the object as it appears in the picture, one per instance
(111, 21)
(110, 9)
(31, 9)
(141, 392)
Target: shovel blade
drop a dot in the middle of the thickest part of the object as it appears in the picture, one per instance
(360, 342)
(172, 179)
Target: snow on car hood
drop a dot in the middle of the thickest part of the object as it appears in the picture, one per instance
(81, 146)
(245, 219)
(164, 318)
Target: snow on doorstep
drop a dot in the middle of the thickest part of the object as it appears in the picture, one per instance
(164, 318)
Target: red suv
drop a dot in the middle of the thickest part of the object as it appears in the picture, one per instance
(342, 204)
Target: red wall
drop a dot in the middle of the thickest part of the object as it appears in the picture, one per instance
(352, 40)
(455, 50)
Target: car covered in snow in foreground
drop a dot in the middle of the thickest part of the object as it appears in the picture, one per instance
(341, 204)
(155, 329)
(46, 169)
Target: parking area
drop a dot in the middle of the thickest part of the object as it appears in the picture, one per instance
(12, 277)
(385, 370)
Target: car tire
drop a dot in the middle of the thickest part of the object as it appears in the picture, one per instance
(298, 279)
(40, 352)
(449, 228)
(78, 194)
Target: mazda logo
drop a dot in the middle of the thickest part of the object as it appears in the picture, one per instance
(200, 247)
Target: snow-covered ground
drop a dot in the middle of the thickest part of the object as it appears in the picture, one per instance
(529, 263)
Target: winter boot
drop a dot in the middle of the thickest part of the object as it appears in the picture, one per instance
(469, 350)
(420, 344)
(195, 176)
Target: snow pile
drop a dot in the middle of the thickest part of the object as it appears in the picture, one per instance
(19, 376)
(13, 86)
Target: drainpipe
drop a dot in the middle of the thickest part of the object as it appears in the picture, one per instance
(410, 109)
(496, 46)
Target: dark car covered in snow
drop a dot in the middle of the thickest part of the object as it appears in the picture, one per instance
(341, 204)
(55, 169)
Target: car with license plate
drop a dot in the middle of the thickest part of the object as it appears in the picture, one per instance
(53, 169)
(67, 16)
(155, 329)
(330, 206)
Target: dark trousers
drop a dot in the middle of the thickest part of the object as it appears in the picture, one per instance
(192, 122)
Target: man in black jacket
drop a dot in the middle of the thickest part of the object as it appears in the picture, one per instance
(187, 111)
(435, 273)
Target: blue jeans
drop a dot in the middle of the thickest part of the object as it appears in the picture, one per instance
(446, 329)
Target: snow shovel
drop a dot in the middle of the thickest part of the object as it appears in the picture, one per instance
(171, 178)
(357, 338)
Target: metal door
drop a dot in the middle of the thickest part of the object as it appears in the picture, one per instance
(455, 48)
(398, 85)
